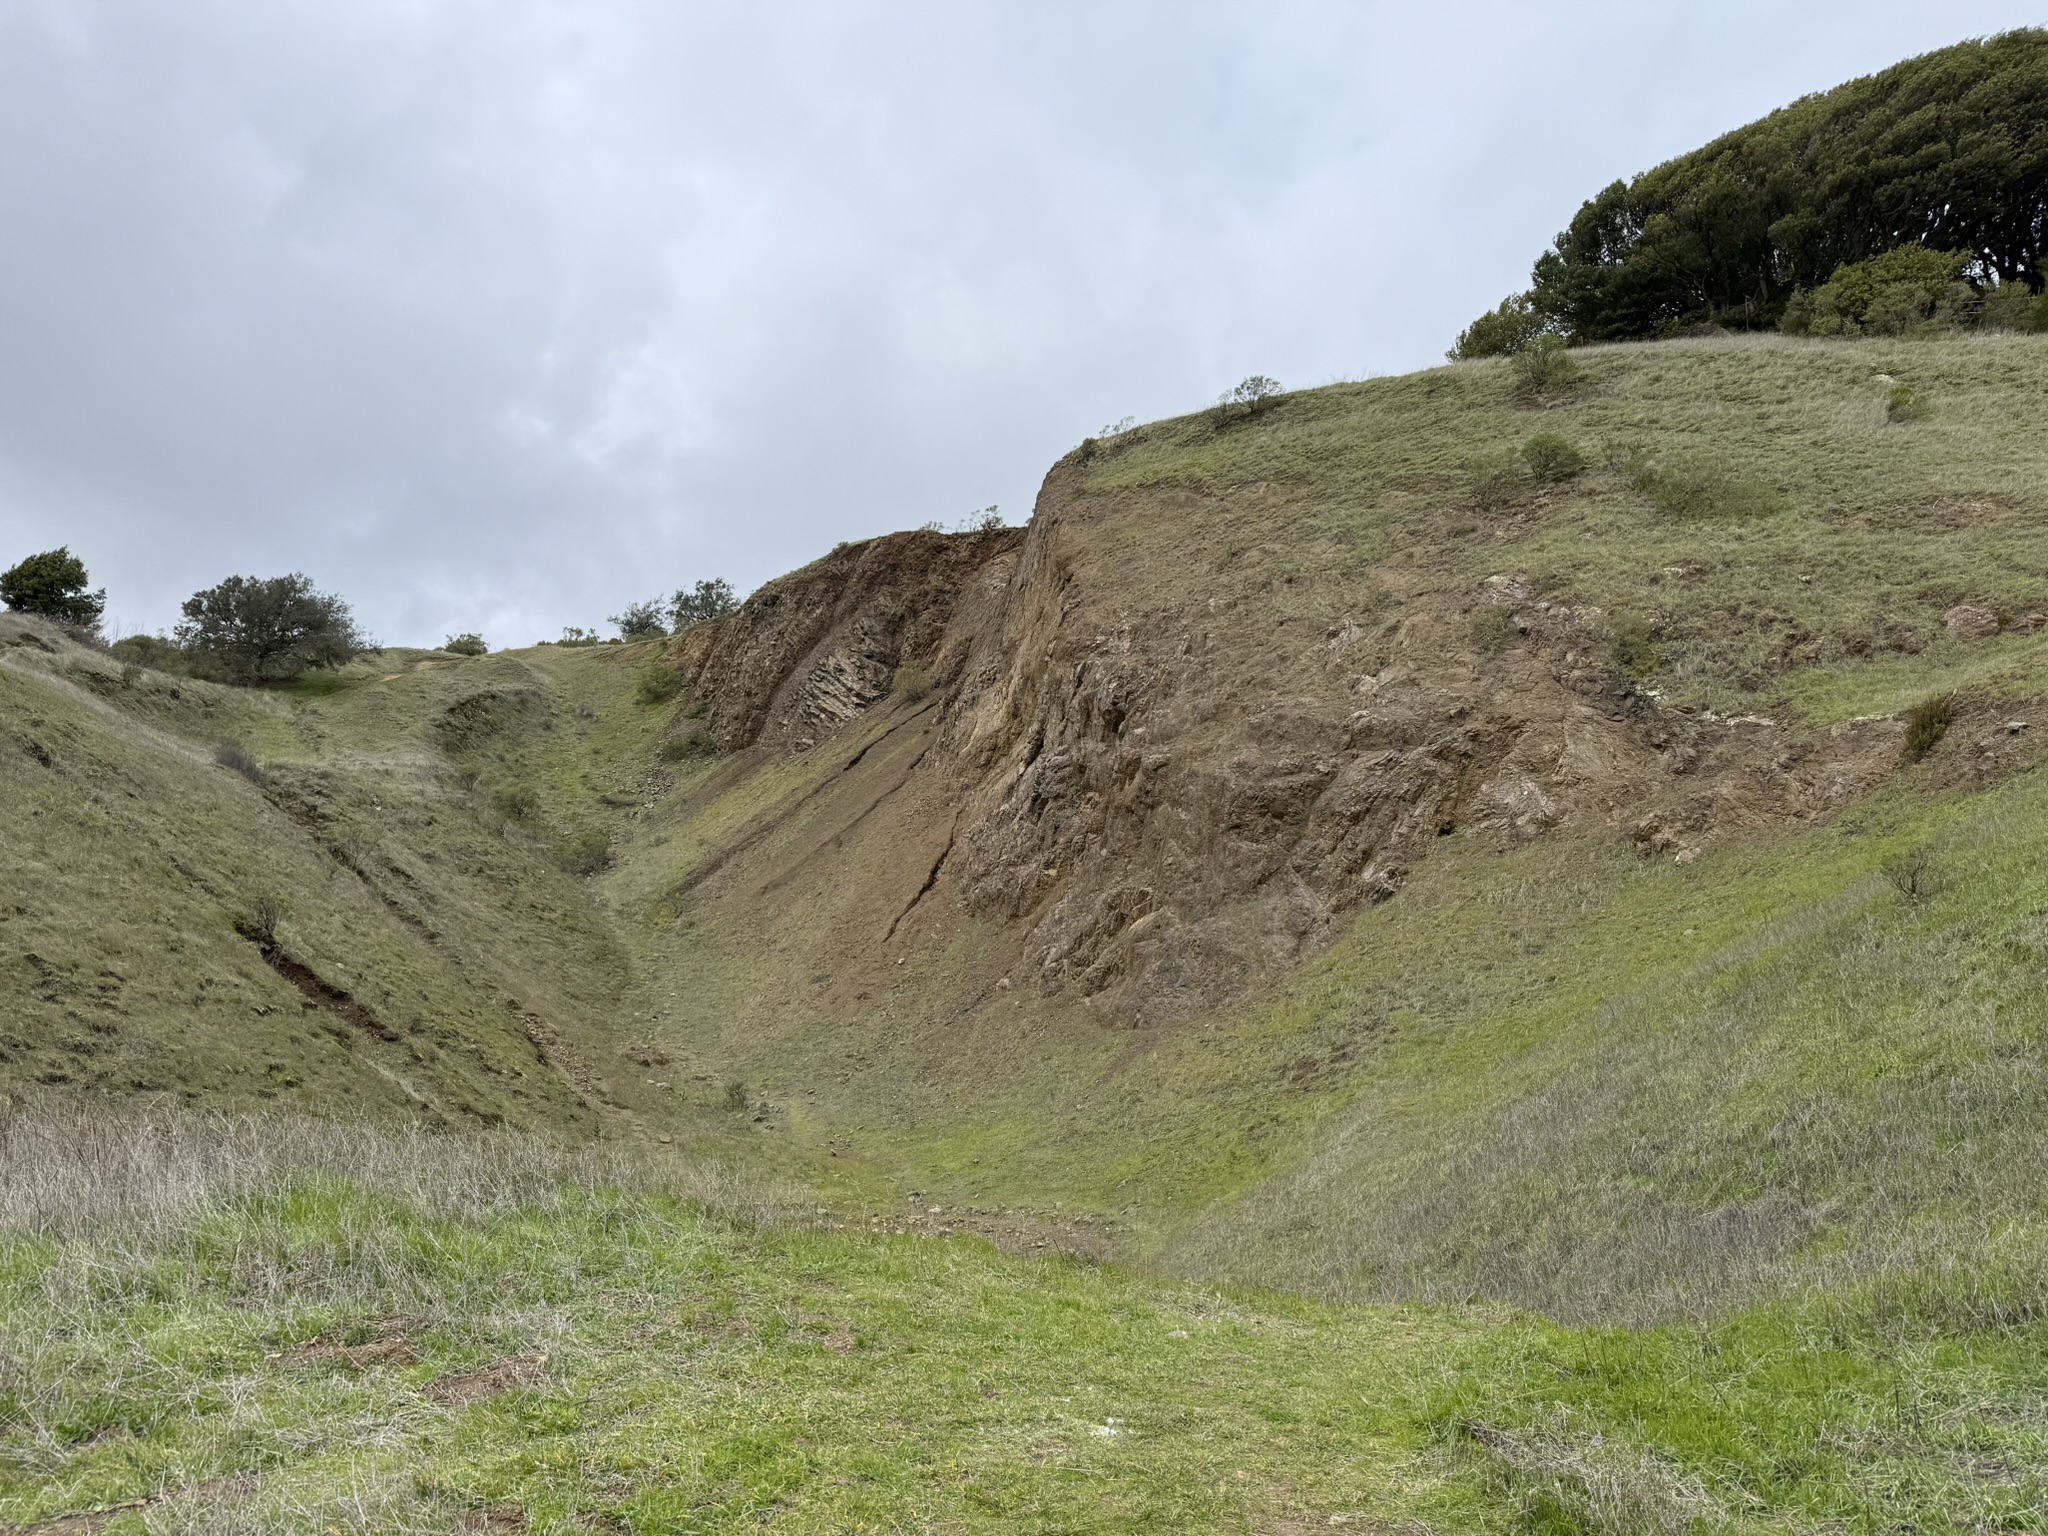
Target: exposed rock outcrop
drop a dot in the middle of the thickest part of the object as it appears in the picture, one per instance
(811, 650)
(1165, 804)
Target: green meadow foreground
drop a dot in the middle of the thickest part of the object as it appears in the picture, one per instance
(219, 1327)
(1532, 960)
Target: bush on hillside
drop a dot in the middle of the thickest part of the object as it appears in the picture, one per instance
(688, 741)
(1634, 649)
(1691, 488)
(1553, 459)
(641, 621)
(1926, 723)
(250, 631)
(576, 634)
(658, 685)
(467, 645)
(1888, 295)
(1499, 332)
(151, 651)
(1247, 398)
(266, 912)
(1915, 875)
(2010, 307)
(1544, 367)
(237, 760)
(1499, 490)
(1947, 146)
(53, 585)
(515, 803)
(584, 853)
(707, 600)
(1253, 393)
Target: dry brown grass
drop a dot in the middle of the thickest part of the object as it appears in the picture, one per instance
(73, 1170)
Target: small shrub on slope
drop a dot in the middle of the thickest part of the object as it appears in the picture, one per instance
(1552, 459)
(1915, 875)
(236, 760)
(467, 645)
(151, 651)
(1545, 367)
(1926, 723)
(515, 804)
(1693, 488)
(1253, 393)
(1493, 631)
(658, 685)
(584, 853)
(1246, 399)
(682, 745)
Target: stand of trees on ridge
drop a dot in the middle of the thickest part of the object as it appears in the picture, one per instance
(255, 631)
(712, 599)
(1946, 153)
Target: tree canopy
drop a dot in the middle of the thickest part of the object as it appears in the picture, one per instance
(53, 584)
(248, 630)
(1948, 151)
(712, 599)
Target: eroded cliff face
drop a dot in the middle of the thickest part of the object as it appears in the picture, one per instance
(1167, 780)
(817, 648)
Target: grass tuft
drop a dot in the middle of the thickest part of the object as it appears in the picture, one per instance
(237, 760)
(1905, 403)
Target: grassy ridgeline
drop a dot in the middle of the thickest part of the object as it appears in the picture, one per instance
(239, 1326)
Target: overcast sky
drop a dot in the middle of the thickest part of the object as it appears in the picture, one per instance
(497, 314)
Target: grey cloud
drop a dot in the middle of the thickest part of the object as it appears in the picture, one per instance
(498, 315)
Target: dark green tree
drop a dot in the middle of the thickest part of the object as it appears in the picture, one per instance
(249, 631)
(1947, 151)
(641, 621)
(712, 599)
(1501, 331)
(53, 584)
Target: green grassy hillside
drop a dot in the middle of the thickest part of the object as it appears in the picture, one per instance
(356, 926)
(1697, 1027)
(272, 1326)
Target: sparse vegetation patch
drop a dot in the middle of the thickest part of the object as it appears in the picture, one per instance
(1926, 723)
